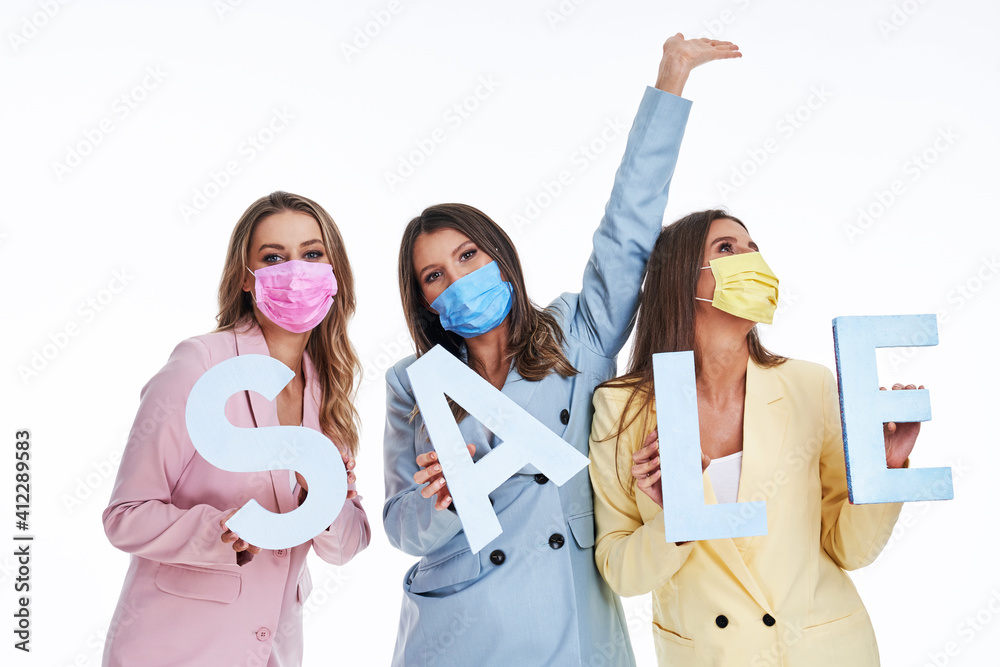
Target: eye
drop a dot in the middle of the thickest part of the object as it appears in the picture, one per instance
(726, 246)
(272, 258)
(469, 254)
(432, 276)
(314, 254)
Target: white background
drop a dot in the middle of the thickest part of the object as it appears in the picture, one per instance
(888, 90)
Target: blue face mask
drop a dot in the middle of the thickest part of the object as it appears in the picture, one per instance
(475, 303)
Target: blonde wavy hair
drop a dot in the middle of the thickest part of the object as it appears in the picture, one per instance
(331, 351)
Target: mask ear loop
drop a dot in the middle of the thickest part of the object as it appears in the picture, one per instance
(252, 297)
(699, 298)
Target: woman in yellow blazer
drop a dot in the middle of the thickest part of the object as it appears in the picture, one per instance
(771, 427)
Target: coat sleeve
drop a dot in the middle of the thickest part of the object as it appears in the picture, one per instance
(633, 556)
(411, 521)
(347, 536)
(852, 535)
(631, 223)
(140, 518)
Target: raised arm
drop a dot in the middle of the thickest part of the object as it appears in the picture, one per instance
(412, 523)
(634, 212)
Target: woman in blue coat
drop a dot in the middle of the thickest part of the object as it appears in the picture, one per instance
(534, 595)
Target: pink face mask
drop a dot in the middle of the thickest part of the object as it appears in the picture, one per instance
(295, 295)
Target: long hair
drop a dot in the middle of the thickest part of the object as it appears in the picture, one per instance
(666, 316)
(332, 354)
(536, 339)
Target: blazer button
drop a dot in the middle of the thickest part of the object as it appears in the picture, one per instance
(768, 620)
(280, 553)
(557, 541)
(541, 479)
(721, 621)
(497, 557)
(263, 634)
(564, 416)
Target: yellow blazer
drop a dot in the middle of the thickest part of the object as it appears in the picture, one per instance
(780, 599)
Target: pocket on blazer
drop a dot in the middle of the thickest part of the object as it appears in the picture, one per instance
(838, 625)
(671, 648)
(197, 583)
(849, 640)
(304, 586)
(582, 527)
(444, 573)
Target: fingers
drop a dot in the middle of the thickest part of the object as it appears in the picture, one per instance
(243, 545)
(648, 481)
(349, 461)
(429, 462)
(900, 385)
(646, 468)
(239, 544)
(443, 501)
(433, 476)
(650, 448)
(228, 535)
(432, 488)
(227, 518)
(427, 474)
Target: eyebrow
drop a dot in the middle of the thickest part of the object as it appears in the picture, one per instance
(278, 246)
(454, 252)
(733, 240)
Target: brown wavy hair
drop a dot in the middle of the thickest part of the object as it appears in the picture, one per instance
(330, 349)
(536, 339)
(665, 321)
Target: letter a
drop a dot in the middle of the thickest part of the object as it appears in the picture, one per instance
(525, 440)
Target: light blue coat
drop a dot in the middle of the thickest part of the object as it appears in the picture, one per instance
(534, 595)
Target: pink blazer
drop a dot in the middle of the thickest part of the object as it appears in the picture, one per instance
(185, 601)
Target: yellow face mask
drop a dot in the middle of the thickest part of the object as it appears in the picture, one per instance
(745, 287)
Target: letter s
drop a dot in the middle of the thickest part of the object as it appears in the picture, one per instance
(269, 448)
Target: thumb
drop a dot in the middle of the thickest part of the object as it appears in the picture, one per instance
(227, 518)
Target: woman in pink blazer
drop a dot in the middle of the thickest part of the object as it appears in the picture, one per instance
(195, 593)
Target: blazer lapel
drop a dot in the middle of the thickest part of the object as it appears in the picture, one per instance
(265, 412)
(765, 418)
(521, 391)
(516, 389)
(313, 395)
